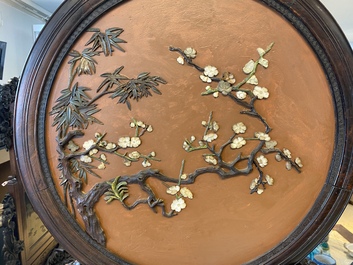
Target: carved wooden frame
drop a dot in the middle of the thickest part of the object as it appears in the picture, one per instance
(37, 240)
(310, 19)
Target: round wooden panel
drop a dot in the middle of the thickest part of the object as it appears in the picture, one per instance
(122, 103)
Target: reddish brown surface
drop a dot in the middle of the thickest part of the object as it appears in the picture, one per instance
(223, 224)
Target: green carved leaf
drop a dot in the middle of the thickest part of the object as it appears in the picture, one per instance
(118, 191)
(107, 40)
(86, 63)
(112, 79)
(80, 169)
(138, 88)
(73, 109)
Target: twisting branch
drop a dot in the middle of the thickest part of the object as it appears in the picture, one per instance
(255, 114)
(74, 111)
(281, 155)
(187, 59)
(225, 87)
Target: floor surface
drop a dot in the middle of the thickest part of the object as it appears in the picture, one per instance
(340, 234)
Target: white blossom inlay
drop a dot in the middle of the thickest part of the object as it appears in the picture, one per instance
(211, 160)
(269, 180)
(254, 183)
(110, 146)
(93, 152)
(124, 142)
(103, 157)
(239, 128)
(88, 144)
(210, 71)
(224, 87)
(101, 166)
(287, 153)
(298, 162)
(178, 205)
(241, 94)
(183, 176)
(127, 163)
(271, 144)
(229, 77)
(261, 92)
(134, 155)
(135, 141)
(262, 136)
(262, 161)
(186, 193)
(86, 159)
(173, 190)
(72, 146)
(210, 137)
(190, 52)
(238, 143)
(146, 163)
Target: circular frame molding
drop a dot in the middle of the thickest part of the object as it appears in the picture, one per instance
(310, 19)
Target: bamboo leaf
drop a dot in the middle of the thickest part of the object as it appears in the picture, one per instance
(93, 30)
(155, 90)
(128, 104)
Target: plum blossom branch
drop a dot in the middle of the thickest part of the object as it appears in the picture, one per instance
(227, 84)
(74, 112)
(287, 156)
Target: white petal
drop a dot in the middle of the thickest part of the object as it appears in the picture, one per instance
(186, 193)
(249, 67)
(173, 190)
(184, 176)
(269, 180)
(205, 79)
(288, 165)
(263, 62)
(271, 144)
(180, 60)
(298, 162)
(101, 166)
(241, 94)
(253, 80)
(261, 51)
(253, 183)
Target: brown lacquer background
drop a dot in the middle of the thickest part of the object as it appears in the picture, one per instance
(223, 224)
